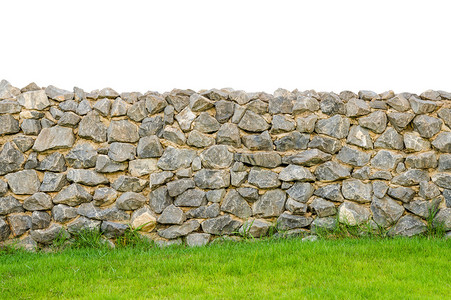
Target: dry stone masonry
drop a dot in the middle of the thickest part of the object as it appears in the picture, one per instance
(192, 166)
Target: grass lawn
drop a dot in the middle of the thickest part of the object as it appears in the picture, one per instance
(288, 269)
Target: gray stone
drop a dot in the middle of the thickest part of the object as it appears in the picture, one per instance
(261, 141)
(423, 208)
(360, 137)
(9, 107)
(141, 167)
(331, 171)
(441, 179)
(24, 143)
(408, 225)
(328, 224)
(121, 152)
(32, 161)
(427, 126)
(216, 157)
(353, 156)
(228, 134)
(390, 139)
(53, 182)
(253, 122)
(34, 100)
(58, 94)
(238, 113)
(296, 173)
(443, 219)
(212, 179)
(4, 230)
(292, 141)
(224, 110)
(280, 105)
(149, 147)
(56, 137)
(40, 220)
(130, 201)
(380, 188)
(197, 239)
(368, 95)
(444, 162)
(160, 178)
(19, 223)
(129, 184)
(46, 236)
(399, 102)
(400, 120)
(205, 123)
(72, 195)
(176, 231)
(413, 142)
(83, 108)
(54, 162)
(287, 221)
(143, 219)
(30, 126)
(137, 112)
(303, 104)
(3, 188)
(386, 211)
(262, 178)
(281, 124)
(422, 106)
(256, 228)
(326, 144)
(82, 156)
(24, 182)
(86, 177)
(240, 97)
(8, 125)
(323, 208)
(215, 195)
(306, 124)
(46, 123)
(200, 140)
(69, 119)
(295, 207)
(423, 160)
(113, 229)
(336, 126)
(356, 190)
(357, 107)
(151, 126)
(81, 224)
(108, 93)
(445, 115)
(443, 142)
(386, 160)
(353, 214)
(261, 159)
(119, 108)
(91, 127)
(430, 95)
(222, 225)
(204, 212)
(331, 192)
(235, 204)
(63, 213)
(362, 173)
(38, 201)
(159, 199)
(410, 177)
(185, 118)
(271, 204)
(404, 194)
(190, 198)
(105, 165)
(331, 104)
(176, 187)
(376, 121)
(199, 103)
(104, 196)
(155, 104)
(122, 131)
(310, 157)
(9, 204)
(173, 159)
(172, 215)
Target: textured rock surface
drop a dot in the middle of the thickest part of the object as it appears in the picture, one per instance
(192, 166)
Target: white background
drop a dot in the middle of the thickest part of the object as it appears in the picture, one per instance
(250, 45)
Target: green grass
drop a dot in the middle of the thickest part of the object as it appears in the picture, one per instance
(287, 268)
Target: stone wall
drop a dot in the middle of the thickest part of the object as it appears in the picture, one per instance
(193, 166)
